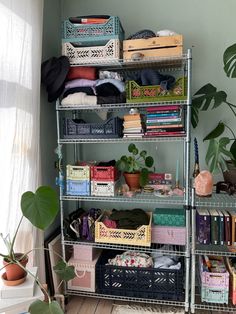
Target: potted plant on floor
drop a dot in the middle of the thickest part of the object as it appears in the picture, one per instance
(221, 152)
(41, 209)
(135, 167)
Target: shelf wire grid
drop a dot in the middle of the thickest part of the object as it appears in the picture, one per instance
(217, 200)
(221, 250)
(122, 298)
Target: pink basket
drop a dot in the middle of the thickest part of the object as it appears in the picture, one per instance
(168, 235)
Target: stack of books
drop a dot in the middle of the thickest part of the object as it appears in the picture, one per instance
(165, 121)
(133, 125)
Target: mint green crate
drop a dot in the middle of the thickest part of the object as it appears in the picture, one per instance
(152, 93)
(215, 295)
(169, 217)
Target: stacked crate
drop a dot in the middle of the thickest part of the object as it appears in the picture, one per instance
(232, 279)
(214, 285)
(92, 43)
(84, 260)
(104, 180)
(77, 180)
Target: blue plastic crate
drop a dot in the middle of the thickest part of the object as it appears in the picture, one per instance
(92, 34)
(77, 187)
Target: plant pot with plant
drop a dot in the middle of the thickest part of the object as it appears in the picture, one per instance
(135, 167)
(221, 152)
(41, 209)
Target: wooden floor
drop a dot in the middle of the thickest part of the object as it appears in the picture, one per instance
(82, 305)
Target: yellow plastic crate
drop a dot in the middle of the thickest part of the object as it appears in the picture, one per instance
(140, 236)
(77, 172)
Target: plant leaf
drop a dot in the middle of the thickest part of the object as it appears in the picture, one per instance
(121, 165)
(218, 130)
(131, 147)
(143, 153)
(194, 115)
(149, 161)
(64, 271)
(41, 207)
(229, 59)
(39, 306)
(216, 152)
(233, 150)
(209, 94)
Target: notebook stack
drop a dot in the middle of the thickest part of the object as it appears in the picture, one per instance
(165, 121)
(133, 125)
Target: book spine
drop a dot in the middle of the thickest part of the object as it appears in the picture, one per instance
(221, 230)
(160, 108)
(203, 228)
(214, 230)
(227, 230)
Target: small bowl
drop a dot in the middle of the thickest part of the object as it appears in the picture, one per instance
(12, 282)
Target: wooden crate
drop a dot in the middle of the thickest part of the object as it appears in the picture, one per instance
(153, 47)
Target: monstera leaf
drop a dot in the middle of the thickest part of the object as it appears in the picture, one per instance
(41, 207)
(216, 153)
(64, 271)
(39, 306)
(203, 98)
(216, 132)
(229, 59)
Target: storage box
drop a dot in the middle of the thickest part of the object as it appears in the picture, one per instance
(169, 217)
(85, 252)
(168, 235)
(232, 280)
(153, 47)
(77, 187)
(214, 295)
(152, 93)
(99, 173)
(139, 282)
(85, 275)
(77, 172)
(104, 188)
(91, 34)
(95, 54)
(140, 236)
(112, 128)
(212, 279)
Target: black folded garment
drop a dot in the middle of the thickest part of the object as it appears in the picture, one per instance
(130, 219)
(111, 99)
(107, 89)
(80, 89)
(107, 163)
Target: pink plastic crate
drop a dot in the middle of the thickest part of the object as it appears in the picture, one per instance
(85, 274)
(213, 280)
(85, 252)
(168, 235)
(99, 173)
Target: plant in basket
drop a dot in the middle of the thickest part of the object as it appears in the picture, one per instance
(41, 209)
(135, 167)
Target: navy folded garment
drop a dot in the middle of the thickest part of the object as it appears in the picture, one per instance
(152, 77)
(81, 89)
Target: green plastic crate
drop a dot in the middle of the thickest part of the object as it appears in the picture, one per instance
(136, 93)
(169, 217)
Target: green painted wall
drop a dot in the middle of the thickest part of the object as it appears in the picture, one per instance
(208, 27)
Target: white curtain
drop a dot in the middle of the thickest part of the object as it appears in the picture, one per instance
(20, 62)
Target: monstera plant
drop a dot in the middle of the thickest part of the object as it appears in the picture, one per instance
(221, 150)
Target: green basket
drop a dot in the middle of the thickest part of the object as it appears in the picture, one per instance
(169, 217)
(152, 93)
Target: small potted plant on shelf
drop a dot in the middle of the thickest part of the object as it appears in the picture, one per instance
(40, 208)
(221, 152)
(135, 167)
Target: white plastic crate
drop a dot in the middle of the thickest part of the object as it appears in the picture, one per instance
(77, 172)
(103, 188)
(79, 55)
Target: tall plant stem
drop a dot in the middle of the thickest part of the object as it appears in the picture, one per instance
(230, 131)
(14, 238)
(231, 106)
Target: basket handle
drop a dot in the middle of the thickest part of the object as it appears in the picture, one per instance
(136, 56)
(80, 276)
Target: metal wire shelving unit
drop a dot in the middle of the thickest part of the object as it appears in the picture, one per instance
(180, 63)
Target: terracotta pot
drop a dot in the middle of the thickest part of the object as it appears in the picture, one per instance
(14, 271)
(230, 174)
(132, 180)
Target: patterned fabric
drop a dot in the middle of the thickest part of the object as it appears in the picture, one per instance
(131, 259)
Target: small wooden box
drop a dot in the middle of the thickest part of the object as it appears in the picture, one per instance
(153, 47)
(85, 274)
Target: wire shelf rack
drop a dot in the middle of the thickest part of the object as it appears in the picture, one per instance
(177, 250)
(122, 298)
(222, 308)
(142, 198)
(222, 250)
(217, 200)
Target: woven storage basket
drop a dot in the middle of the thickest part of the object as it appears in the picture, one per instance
(94, 54)
(92, 34)
(140, 236)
